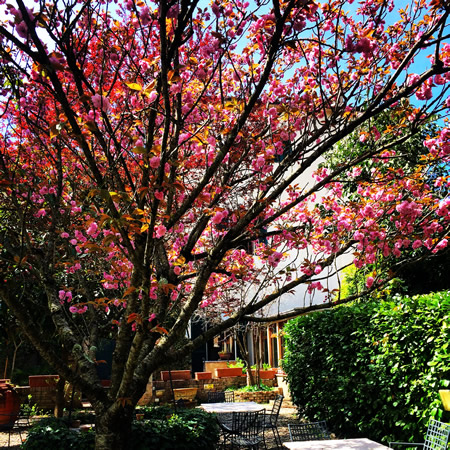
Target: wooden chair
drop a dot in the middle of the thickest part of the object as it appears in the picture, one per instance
(310, 431)
(437, 438)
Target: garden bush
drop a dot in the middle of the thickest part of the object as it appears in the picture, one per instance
(372, 369)
(51, 433)
(161, 428)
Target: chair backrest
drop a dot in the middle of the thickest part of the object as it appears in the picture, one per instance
(438, 434)
(229, 396)
(248, 425)
(216, 397)
(309, 431)
(276, 409)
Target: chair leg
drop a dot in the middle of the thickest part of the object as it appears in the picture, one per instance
(277, 437)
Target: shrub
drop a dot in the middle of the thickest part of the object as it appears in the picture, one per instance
(161, 428)
(372, 369)
(51, 433)
(165, 430)
(255, 388)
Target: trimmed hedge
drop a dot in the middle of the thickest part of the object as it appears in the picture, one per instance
(194, 429)
(372, 369)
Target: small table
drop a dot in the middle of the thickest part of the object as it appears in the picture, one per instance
(360, 444)
(230, 407)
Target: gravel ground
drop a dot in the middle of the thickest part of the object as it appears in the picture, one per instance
(287, 415)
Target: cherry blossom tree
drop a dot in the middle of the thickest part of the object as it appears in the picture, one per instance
(160, 162)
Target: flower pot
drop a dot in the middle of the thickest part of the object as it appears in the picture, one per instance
(229, 372)
(265, 374)
(9, 405)
(187, 394)
(225, 355)
(175, 375)
(203, 375)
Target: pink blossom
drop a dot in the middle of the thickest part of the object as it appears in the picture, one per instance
(416, 244)
(73, 309)
(40, 213)
(177, 270)
(160, 231)
(441, 245)
(218, 217)
(62, 295)
(159, 195)
(101, 102)
(154, 162)
(92, 230)
(64, 235)
(274, 259)
(73, 241)
(369, 282)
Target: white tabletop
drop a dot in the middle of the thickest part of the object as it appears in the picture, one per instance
(229, 407)
(361, 444)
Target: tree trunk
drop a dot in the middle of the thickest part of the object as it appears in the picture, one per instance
(113, 432)
(243, 347)
(59, 403)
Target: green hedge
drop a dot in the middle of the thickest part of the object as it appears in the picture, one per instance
(372, 369)
(162, 429)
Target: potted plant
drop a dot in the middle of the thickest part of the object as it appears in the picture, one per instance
(224, 355)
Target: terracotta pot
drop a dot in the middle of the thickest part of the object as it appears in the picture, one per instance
(225, 355)
(229, 372)
(9, 405)
(176, 375)
(203, 375)
(268, 374)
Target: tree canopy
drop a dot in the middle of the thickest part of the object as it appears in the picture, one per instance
(160, 160)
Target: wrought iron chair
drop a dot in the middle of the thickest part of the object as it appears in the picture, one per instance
(13, 423)
(246, 430)
(310, 431)
(437, 438)
(221, 397)
(271, 419)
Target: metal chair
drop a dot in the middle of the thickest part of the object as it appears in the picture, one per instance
(221, 397)
(247, 430)
(13, 423)
(271, 419)
(310, 431)
(437, 438)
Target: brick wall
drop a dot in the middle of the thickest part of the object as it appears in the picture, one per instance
(160, 391)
